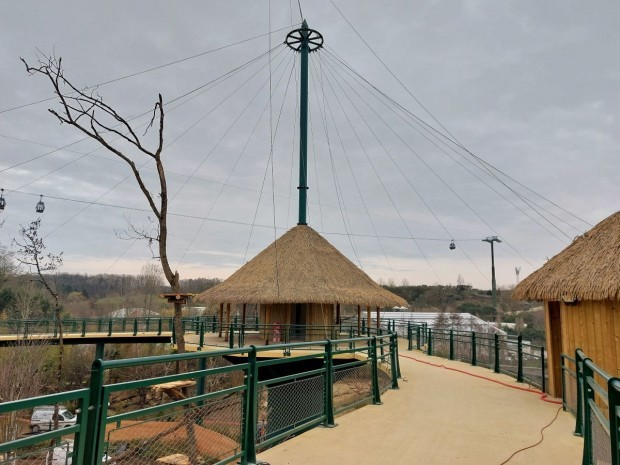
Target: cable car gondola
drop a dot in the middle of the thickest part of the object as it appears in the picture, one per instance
(2, 201)
(452, 245)
(40, 208)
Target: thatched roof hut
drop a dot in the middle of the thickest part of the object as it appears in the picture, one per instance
(588, 269)
(580, 287)
(300, 268)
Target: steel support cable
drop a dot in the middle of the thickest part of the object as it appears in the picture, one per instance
(339, 197)
(316, 172)
(457, 195)
(269, 160)
(381, 181)
(428, 112)
(165, 65)
(483, 168)
(488, 168)
(346, 156)
(293, 146)
(235, 164)
(220, 78)
(273, 187)
(460, 164)
(208, 155)
(126, 177)
(339, 194)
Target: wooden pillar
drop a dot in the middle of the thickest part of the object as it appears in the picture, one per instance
(378, 318)
(227, 321)
(359, 319)
(367, 317)
(337, 313)
(221, 317)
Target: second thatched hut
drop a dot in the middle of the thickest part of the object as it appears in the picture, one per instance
(580, 288)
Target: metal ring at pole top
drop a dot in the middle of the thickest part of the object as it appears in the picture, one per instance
(296, 37)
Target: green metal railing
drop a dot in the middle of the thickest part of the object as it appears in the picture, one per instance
(212, 407)
(593, 396)
(524, 362)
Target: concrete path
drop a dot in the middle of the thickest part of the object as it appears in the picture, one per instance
(441, 417)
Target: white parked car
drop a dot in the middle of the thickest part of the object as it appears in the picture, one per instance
(42, 418)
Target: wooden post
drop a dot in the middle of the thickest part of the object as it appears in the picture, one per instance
(221, 317)
(368, 317)
(243, 315)
(378, 318)
(337, 313)
(359, 319)
(227, 321)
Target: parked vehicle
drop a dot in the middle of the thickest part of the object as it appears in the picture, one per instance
(43, 418)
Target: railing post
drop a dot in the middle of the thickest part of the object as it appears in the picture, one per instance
(231, 336)
(429, 342)
(613, 401)
(214, 325)
(124, 324)
(159, 327)
(417, 337)
(201, 341)
(409, 336)
(474, 360)
(451, 356)
(579, 373)
(496, 341)
(148, 324)
(110, 327)
(135, 326)
(363, 326)
(99, 325)
(543, 383)
(519, 359)
(376, 392)
(94, 413)
(251, 411)
(588, 395)
(329, 386)
(394, 360)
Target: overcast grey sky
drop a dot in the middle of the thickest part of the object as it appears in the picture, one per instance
(530, 87)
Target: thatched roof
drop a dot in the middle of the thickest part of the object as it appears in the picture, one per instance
(309, 270)
(588, 269)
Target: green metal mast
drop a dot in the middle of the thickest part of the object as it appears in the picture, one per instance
(304, 41)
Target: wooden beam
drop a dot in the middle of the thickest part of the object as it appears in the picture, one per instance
(227, 321)
(221, 318)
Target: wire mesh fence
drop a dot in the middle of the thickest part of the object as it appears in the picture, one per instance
(285, 407)
(352, 386)
(601, 444)
(202, 432)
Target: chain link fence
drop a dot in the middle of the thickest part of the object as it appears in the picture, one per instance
(352, 386)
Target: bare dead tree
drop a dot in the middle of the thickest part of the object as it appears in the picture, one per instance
(31, 253)
(99, 121)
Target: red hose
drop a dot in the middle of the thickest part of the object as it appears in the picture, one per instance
(543, 396)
